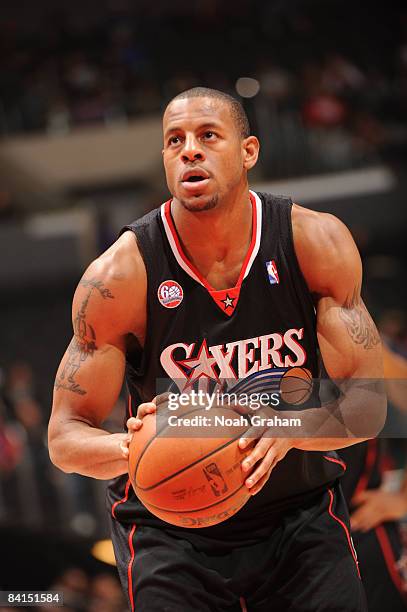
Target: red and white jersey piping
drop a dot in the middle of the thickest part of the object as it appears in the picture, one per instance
(188, 267)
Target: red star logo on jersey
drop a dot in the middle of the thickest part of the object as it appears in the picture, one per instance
(228, 302)
(226, 299)
(201, 365)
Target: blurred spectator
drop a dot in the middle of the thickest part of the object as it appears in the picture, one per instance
(106, 594)
(6, 205)
(31, 474)
(10, 449)
(74, 584)
(20, 383)
(340, 76)
(324, 110)
(277, 84)
(128, 62)
(84, 593)
(393, 328)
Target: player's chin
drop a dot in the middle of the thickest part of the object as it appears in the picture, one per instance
(198, 202)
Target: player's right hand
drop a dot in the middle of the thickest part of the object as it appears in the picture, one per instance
(135, 423)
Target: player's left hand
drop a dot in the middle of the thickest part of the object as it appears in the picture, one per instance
(262, 459)
(375, 507)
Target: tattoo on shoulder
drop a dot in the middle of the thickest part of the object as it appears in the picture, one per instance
(359, 323)
(83, 344)
(97, 284)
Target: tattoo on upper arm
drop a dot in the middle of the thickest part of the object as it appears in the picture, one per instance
(359, 323)
(83, 344)
(96, 284)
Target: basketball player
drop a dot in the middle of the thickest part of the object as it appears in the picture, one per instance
(220, 282)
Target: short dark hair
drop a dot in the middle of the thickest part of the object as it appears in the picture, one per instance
(237, 110)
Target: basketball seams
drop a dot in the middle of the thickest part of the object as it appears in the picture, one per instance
(299, 378)
(157, 433)
(216, 503)
(203, 458)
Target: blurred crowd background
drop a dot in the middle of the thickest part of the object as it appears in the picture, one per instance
(82, 88)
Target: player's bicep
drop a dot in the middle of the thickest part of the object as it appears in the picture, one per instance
(332, 268)
(349, 341)
(91, 372)
(88, 381)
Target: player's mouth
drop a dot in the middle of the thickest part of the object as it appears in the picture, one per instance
(195, 180)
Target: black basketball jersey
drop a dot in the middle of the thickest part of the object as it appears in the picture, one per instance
(248, 334)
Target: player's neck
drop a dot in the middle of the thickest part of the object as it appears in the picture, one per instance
(216, 243)
(216, 235)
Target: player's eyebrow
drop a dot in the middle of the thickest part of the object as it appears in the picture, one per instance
(203, 126)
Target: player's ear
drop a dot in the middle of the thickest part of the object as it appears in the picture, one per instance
(251, 148)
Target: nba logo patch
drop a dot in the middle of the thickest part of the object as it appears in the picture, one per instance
(272, 272)
(170, 294)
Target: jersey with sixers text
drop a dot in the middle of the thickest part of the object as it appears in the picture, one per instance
(245, 337)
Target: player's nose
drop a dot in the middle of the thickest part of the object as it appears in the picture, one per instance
(192, 149)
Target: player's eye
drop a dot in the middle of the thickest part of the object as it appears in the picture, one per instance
(173, 140)
(209, 135)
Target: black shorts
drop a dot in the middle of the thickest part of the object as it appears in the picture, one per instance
(306, 564)
(379, 552)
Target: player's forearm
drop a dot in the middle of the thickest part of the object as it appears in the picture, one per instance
(358, 413)
(77, 447)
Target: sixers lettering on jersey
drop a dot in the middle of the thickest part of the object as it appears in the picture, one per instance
(235, 360)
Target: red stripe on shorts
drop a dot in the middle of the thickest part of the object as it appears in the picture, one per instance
(123, 500)
(130, 568)
(344, 527)
(333, 460)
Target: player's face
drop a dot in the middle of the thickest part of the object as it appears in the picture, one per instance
(204, 154)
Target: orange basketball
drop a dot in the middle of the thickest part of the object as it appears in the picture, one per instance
(296, 386)
(193, 478)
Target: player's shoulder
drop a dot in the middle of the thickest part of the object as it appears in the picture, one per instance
(324, 247)
(117, 282)
(121, 262)
(317, 228)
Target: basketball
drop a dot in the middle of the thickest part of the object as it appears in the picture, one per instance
(296, 386)
(184, 479)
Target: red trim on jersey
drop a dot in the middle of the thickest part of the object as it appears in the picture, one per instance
(369, 465)
(389, 559)
(130, 567)
(336, 518)
(123, 500)
(225, 298)
(333, 460)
